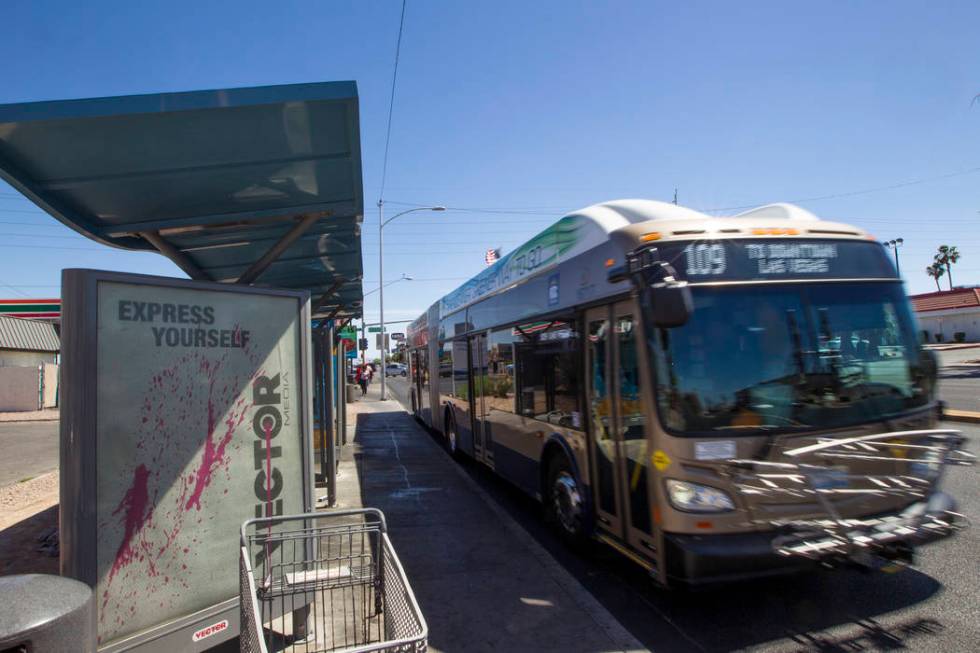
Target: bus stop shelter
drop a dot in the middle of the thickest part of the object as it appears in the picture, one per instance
(257, 186)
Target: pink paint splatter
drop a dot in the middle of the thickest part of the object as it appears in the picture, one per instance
(213, 457)
(151, 530)
(136, 510)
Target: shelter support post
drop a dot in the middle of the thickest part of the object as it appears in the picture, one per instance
(274, 252)
(341, 393)
(325, 415)
(178, 257)
(325, 297)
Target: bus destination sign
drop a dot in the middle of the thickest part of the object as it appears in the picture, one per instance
(764, 260)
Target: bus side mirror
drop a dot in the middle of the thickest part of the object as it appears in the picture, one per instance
(667, 300)
(670, 303)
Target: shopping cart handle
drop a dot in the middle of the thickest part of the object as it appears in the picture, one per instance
(268, 521)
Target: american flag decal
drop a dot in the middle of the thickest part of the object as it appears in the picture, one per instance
(493, 255)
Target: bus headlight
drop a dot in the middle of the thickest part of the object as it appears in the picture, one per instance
(692, 497)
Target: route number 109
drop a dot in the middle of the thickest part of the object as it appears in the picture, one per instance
(705, 259)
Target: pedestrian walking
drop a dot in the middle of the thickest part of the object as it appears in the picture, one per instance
(363, 378)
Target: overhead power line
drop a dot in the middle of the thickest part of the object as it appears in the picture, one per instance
(84, 249)
(864, 191)
(45, 236)
(34, 224)
(391, 102)
(14, 288)
(33, 211)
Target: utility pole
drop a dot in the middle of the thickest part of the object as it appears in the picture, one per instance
(675, 197)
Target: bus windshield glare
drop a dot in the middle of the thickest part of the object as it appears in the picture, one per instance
(790, 357)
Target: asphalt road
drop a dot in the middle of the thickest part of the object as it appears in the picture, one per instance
(29, 449)
(933, 606)
(959, 386)
(959, 380)
(953, 356)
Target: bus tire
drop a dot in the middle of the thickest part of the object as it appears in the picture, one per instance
(451, 439)
(564, 501)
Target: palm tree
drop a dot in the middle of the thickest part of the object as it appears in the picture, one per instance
(948, 255)
(935, 271)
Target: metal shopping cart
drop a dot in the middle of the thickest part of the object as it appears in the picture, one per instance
(321, 582)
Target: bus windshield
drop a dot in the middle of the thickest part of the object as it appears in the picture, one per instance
(790, 357)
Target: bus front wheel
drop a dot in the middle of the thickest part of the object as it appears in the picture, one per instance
(564, 500)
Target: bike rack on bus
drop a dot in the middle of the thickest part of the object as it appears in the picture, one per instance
(828, 535)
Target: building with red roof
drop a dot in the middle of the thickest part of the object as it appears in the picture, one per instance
(945, 313)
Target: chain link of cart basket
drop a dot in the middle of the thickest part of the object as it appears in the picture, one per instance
(319, 582)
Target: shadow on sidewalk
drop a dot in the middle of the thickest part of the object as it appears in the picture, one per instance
(479, 587)
(20, 545)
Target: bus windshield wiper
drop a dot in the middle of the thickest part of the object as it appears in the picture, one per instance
(761, 427)
(746, 427)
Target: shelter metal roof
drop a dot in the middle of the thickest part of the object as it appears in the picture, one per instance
(28, 335)
(251, 185)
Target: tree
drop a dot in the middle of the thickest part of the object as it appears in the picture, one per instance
(935, 271)
(947, 256)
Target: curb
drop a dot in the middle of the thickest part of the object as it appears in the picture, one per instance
(968, 416)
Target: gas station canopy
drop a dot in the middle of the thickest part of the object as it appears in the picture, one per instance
(257, 186)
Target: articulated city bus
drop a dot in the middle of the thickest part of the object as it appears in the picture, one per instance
(714, 397)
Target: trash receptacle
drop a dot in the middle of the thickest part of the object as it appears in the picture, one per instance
(39, 612)
(352, 390)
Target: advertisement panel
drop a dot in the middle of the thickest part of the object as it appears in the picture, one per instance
(201, 421)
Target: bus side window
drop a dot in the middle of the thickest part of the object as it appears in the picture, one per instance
(500, 371)
(548, 375)
(460, 370)
(445, 370)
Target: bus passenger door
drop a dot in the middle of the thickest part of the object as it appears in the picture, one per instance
(603, 442)
(462, 411)
(631, 432)
(482, 446)
(413, 380)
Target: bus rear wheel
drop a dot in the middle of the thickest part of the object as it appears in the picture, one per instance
(452, 439)
(565, 501)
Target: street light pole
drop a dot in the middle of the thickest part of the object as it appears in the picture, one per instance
(381, 289)
(404, 277)
(381, 279)
(894, 245)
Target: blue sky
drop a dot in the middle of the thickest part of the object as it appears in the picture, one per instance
(534, 108)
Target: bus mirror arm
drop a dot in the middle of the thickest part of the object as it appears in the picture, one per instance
(665, 299)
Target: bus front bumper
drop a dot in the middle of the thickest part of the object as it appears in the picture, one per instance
(706, 559)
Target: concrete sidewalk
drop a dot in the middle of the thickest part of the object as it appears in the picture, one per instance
(483, 583)
(46, 415)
